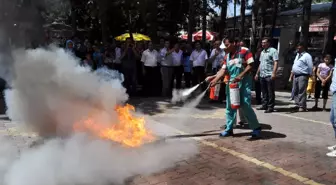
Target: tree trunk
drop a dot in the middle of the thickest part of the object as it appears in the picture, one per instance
(255, 9)
(103, 18)
(242, 19)
(274, 16)
(73, 17)
(262, 22)
(305, 22)
(153, 25)
(331, 29)
(222, 23)
(204, 22)
(234, 17)
(191, 21)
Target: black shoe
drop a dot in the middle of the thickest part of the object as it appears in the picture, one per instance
(269, 111)
(262, 108)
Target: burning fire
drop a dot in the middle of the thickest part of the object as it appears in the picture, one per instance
(129, 131)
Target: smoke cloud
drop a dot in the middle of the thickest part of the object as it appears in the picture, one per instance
(49, 93)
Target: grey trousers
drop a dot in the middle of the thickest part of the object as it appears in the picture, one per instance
(167, 75)
(300, 84)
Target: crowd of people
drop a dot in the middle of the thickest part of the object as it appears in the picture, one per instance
(166, 66)
(157, 68)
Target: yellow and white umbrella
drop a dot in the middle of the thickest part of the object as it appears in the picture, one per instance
(136, 37)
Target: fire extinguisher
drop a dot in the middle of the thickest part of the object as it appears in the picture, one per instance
(214, 92)
(234, 95)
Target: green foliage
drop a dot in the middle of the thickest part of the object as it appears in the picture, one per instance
(170, 15)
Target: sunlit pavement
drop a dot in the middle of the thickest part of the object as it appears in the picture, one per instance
(292, 150)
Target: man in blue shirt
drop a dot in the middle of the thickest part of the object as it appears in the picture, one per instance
(333, 112)
(301, 71)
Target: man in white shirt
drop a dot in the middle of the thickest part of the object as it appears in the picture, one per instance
(166, 69)
(198, 58)
(152, 76)
(116, 54)
(178, 68)
(216, 57)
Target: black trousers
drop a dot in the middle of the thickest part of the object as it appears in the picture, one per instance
(187, 79)
(198, 75)
(324, 89)
(257, 89)
(130, 79)
(268, 92)
(152, 81)
(140, 77)
(117, 67)
(177, 76)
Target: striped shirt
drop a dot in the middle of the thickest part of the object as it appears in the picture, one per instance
(242, 53)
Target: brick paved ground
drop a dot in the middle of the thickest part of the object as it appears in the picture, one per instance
(295, 142)
(213, 167)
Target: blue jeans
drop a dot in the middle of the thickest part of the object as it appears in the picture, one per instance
(332, 112)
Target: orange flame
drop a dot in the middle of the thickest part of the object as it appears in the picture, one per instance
(129, 131)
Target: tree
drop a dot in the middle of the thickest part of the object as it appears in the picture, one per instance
(255, 10)
(305, 22)
(242, 19)
(223, 5)
(331, 28)
(263, 8)
(234, 17)
(204, 26)
(274, 16)
(191, 20)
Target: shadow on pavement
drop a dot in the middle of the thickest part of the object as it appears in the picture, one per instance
(192, 135)
(318, 110)
(282, 103)
(149, 106)
(265, 135)
(263, 126)
(288, 110)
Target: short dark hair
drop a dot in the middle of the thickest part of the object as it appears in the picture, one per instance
(300, 44)
(268, 39)
(230, 40)
(199, 42)
(327, 55)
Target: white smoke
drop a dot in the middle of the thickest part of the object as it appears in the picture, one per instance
(49, 94)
